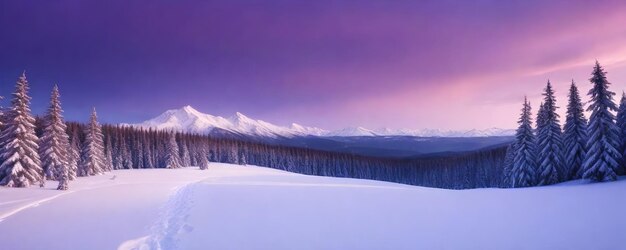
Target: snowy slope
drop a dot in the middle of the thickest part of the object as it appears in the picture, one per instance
(189, 119)
(235, 207)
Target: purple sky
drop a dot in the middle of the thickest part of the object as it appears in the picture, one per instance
(398, 64)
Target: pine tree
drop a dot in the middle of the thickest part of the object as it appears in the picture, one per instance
(147, 153)
(203, 161)
(524, 171)
(74, 157)
(138, 153)
(21, 166)
(184, 154)
(241, 155)
(540, 123)
(550, 144)
(574, 135)
(603, 156)
(127, 162)
(507, 170)
(108, 156)
(54, 143)
(172, 159)
(541, 117)
(621, 125)
(92, 162)
(118, 161)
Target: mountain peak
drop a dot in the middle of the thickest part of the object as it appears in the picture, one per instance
(241, 118)
(189, 109)
(240, 115)
(189, 119)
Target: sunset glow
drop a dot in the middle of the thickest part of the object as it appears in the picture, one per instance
(330, 64)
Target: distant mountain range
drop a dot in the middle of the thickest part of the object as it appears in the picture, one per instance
(188, 119)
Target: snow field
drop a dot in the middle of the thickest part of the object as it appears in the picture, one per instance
(247, 207)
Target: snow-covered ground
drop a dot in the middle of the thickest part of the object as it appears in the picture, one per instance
(246, 207)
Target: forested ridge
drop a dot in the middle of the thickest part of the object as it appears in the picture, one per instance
(135, 148)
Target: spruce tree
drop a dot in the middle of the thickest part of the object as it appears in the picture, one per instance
(185, 158)
(147, 153)
(118, 161)
(621, 125)
(550, 144)
(54, 143)
(603, 156)
(203, 161)
(524, 172)
(92, 160)
(138, 152)
(507, 170)
(21, 166)
(172, 159)
(241, 155)
(540, 123)
(127, 162)
(108, 156)
(541, 117)
(74, 157)
(574, 135)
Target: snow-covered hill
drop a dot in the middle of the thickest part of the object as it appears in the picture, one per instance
(189, 119)
(247, 207)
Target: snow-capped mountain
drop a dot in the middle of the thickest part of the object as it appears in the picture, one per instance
(189, 119)
(358, 131)
(445, 133)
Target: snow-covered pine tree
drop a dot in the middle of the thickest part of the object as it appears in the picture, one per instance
(507, 170)
(193, 151)
(185, 159)
(54, 143)
(127, 162)
(139, 153)
(524, 172)
(74, 156)
(241, 155)
(108, 155)
(549, 141)
(117, 157)
(172, 159)
(21, 166)
(621, 125)
(92, 160)
(160, 150)
(147, 153)
(203, 160)
(541, 117)
(603, 156)
(540, 123)
(233, 154)
(574, 135)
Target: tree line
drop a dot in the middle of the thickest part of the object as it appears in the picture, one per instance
(35, 149)
(593, 149)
